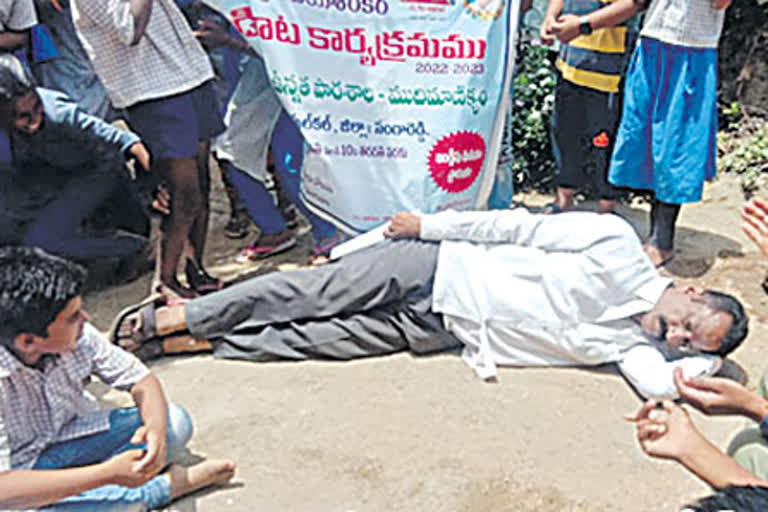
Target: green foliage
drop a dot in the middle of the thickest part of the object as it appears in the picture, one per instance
(534, 99)
(730, 115)
(749, 158)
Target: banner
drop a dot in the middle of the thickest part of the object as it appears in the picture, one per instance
(401, 102)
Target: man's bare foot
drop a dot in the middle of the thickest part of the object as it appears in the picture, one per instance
(659, 257)
(185, 480)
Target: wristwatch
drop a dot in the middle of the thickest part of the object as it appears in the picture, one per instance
(584, 27)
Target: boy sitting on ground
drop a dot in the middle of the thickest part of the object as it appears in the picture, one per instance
(57, 449)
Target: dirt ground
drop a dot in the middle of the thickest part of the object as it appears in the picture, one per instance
(423, 434)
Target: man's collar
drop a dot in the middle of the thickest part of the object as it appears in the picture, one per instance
(653, 290)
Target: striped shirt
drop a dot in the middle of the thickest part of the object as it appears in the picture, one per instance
(167, 60)
(693, 23)
(39, 407)
(597, 60)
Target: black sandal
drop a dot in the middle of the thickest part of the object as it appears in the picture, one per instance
(144, 329)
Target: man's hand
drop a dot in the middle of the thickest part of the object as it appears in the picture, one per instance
(139, 151)
(667, 433)
(566, 27)
(716, 395)
(121, 469)
(755, 216)
(721, 4)
(404, 225)
(545, 31)
(155, 453)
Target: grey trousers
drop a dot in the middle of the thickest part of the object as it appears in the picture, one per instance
(373, 302)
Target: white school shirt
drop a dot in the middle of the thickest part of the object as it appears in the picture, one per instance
(39, 407)
(522, 289)
(692, 23)
(17, 15)
(167, 60)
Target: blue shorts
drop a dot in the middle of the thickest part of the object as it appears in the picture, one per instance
(667, 139)
(172, 127)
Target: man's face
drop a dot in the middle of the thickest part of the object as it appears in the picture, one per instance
(27, 115)
(65, 330)
(684, 320)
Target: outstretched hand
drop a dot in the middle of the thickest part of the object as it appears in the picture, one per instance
(404, 225)
(716, 395)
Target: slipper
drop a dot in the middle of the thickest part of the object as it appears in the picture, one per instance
(143, 330)
(257, 251)
(551, 209)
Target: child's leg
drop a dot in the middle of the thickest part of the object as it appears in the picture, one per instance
(55, 227)
(103, 445)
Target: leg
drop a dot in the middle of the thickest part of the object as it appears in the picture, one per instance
(360, 282)
(55, 227)
(398, 326)
(750, 449)
(392, 273)
(101, 446)
(199, 231)
(275, 236)
(567, 135)
(660, 244)
(181, 176)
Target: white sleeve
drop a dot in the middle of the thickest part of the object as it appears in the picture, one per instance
(652, 375)
(569, 232)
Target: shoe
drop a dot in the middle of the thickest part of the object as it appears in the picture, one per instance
(267, 246)
(238, 226)
(200, 280)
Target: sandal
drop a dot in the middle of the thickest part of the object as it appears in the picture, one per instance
(144, 327)
(200, 280)
(262, 248)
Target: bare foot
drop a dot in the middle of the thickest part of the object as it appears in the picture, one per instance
(185, 480)
(659, 257)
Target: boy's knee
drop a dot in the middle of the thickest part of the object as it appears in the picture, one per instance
(179, 430)
(750, 450)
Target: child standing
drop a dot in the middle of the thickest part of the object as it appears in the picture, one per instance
(666, 142)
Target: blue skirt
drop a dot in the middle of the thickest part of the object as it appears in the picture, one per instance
(667, 139)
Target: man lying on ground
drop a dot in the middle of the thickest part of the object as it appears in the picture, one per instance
(511, 287)
(56, 447)
(668, 432)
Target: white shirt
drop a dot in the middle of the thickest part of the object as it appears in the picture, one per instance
(548, 290)
(167, 60)
(17, 15)
(693, 23)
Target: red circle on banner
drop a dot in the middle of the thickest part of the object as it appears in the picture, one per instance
(456, 159)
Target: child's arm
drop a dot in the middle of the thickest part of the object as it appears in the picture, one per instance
(153, 407)
(566, 27)
(36, 488)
